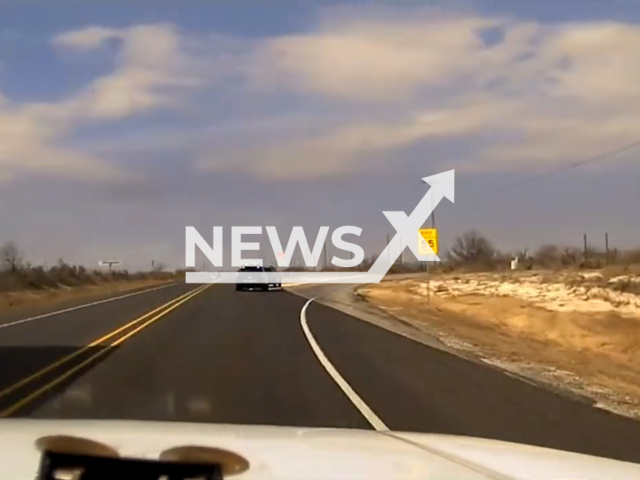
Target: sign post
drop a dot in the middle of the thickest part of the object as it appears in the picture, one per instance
(428, 237)
(109, 263)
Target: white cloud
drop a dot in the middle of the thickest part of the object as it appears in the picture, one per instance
(377, 61)
(560, 92)
(29, 145)
(349, 147)
(150, 67)
(551, 92)
(603, 61)
(150, 72)
(87, 38)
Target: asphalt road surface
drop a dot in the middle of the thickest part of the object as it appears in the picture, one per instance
(211, 354)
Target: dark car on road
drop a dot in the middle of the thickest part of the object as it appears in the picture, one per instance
(258, 278)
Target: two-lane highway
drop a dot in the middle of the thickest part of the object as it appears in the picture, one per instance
(35, 351)
(274, 358)
(226, 356)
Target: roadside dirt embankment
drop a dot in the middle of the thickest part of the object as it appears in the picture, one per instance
(580, 332)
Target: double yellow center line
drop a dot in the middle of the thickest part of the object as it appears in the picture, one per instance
(127, 332)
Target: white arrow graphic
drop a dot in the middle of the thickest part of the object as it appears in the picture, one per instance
(442, 185)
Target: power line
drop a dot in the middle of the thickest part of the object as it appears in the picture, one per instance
(566, 168)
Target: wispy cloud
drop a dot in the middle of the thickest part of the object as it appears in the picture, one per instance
(150, 71)
(550, 93)
(553, 93)
(150, 66)
(376, 61)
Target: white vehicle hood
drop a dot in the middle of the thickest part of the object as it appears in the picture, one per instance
(287, 453)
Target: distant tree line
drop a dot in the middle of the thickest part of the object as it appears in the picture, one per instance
(474, 249)
(18, 274)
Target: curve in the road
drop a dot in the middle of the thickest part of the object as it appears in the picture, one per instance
(366, 411)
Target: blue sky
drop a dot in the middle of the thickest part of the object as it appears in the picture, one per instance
(123, 122)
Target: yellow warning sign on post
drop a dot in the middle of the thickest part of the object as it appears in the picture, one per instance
(427, 236)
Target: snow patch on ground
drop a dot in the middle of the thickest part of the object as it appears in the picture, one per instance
(559, 296)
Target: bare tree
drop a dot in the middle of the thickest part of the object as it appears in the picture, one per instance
(630, 256)
(571, 256)
(548, 255)
(472, 247)
(11, 257)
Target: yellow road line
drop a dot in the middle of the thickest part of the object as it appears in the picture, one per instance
(95, 343)
(32, 396)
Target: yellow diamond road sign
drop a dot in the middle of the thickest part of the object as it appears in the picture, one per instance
(427, 236)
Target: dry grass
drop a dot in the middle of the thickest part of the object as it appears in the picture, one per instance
(560, 327)
(66, 276)
(25, 285)
(52, 297)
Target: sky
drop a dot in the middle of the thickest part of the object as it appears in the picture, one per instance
(121, 123)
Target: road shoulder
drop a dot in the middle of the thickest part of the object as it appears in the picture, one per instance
(33, 304)
(350, 300)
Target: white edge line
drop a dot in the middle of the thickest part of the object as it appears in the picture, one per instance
(357, 401)
(78, 307)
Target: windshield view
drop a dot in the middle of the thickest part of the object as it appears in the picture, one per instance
(311, 240)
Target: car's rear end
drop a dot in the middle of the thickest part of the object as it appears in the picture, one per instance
(252, 278)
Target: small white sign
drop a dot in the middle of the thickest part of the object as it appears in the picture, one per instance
(104, 263)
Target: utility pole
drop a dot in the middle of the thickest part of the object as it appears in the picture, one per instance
(606, 245)
(586, 249)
